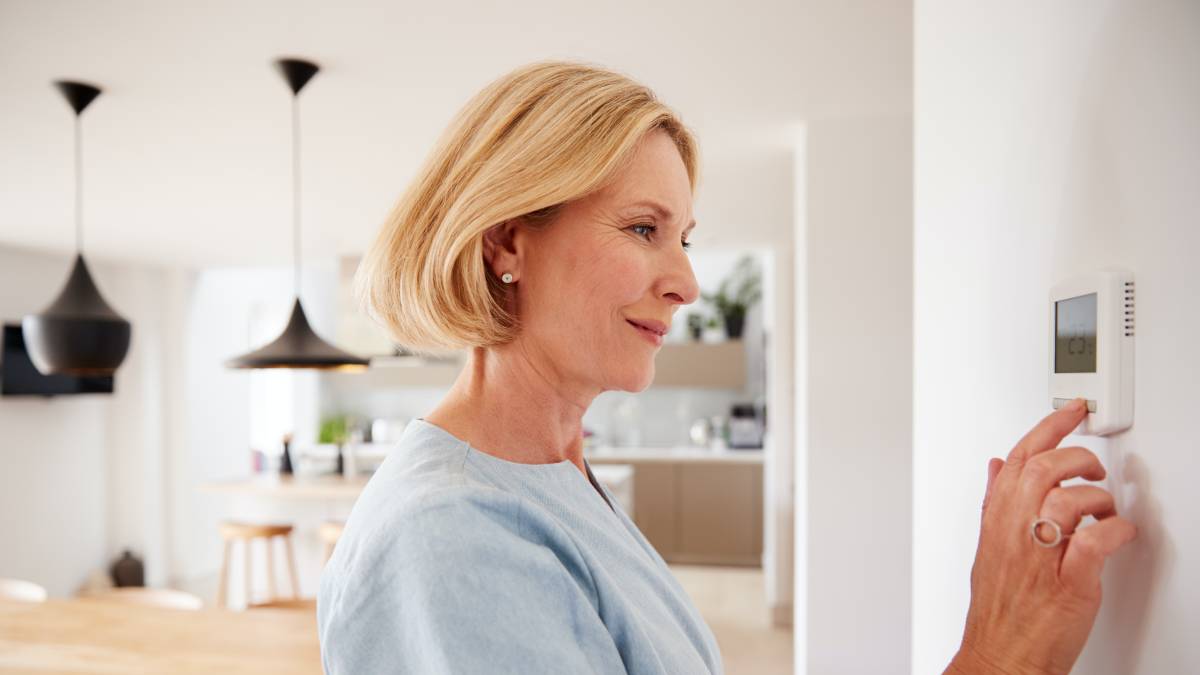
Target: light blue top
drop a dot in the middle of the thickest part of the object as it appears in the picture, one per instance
(456, 561)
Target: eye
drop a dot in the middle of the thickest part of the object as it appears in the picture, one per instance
(644, 226)
(651, 229)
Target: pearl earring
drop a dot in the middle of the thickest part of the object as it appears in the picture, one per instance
(507, 278)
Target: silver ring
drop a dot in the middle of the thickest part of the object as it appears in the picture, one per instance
(1058, 533)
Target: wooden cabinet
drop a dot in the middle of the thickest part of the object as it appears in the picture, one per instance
(720, 514)
(700, 512)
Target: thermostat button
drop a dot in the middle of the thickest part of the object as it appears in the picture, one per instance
(1060, 402)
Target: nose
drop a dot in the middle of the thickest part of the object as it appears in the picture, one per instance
(678, 285)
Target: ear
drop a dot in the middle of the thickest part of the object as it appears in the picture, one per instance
(502, 248)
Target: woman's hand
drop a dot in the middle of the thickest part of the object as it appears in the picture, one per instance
(1032, 607)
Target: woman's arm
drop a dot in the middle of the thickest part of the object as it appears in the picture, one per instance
(1033, 606)
(458, 588)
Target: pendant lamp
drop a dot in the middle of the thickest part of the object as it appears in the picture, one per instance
(79, 333)
(298, 346)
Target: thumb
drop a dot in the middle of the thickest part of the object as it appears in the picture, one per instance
(994, 466)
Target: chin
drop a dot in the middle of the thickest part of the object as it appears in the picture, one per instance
(637, 380)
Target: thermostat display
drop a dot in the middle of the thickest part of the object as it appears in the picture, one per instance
(1091, 348)
(1075, 335)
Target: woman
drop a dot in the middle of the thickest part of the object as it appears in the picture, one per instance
(548, 233)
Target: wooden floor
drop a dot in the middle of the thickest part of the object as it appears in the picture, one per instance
(733, 602)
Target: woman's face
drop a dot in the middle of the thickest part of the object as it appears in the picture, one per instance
(611, 260)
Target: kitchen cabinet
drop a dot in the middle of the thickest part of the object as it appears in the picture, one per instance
(698, 512)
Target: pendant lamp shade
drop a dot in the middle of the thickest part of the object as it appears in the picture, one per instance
(298, 346)
(79, 333)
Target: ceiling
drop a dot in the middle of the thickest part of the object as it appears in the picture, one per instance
(186, 153)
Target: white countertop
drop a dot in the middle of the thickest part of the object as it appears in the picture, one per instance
(609, 455)
(299, 486)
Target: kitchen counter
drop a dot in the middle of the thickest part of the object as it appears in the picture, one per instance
(617, 478)
(676, 454)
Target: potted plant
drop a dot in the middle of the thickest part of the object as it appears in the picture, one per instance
(334, 431)
(695, 324)
(736, 295)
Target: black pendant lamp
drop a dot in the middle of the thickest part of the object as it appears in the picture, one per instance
(298, 346)
(79, 333)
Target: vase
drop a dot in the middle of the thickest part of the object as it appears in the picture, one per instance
(128, 571)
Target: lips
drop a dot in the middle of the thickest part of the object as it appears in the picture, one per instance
(657, 327)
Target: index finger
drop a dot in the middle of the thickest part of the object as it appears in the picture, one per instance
(1050, 431)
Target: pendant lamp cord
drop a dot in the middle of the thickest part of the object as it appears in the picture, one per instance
(296, 190)
(78, 188)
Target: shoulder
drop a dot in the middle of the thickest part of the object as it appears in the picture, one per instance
(442, 528)
(446, 578)
(438, 570)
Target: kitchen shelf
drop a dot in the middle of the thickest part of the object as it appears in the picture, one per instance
(716, 365)
(390, 372)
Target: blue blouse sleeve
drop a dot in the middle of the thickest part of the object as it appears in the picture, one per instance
(459, 584)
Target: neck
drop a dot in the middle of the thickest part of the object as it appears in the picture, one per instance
(514, 407)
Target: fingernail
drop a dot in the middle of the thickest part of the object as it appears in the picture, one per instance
(1076, 404)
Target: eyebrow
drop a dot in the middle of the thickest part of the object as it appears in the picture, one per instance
(662, 212)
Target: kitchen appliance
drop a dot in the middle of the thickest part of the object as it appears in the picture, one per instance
(745, 428)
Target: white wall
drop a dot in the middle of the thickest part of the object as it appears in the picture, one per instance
(1053, 140)
(856, 372)
(852, 277)
(78, 480)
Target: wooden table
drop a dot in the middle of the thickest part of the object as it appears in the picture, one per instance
(276, 486)
(94, 636)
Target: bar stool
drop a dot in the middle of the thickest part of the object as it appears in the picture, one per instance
(232, 531)
(331, 531)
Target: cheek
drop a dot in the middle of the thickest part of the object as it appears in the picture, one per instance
(581, 296)
(610, 282)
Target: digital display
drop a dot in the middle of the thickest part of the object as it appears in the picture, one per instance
(1075, 335)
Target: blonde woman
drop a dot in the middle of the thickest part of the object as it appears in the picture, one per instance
(548, 235)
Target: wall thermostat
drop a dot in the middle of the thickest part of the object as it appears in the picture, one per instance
(1091, 348)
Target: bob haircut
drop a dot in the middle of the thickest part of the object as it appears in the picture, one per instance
(541, 136)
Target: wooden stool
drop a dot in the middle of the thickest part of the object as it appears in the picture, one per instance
(247, 533)
(331, 531)
(303, 604)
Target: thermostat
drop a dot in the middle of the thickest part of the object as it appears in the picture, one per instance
(1091, 348)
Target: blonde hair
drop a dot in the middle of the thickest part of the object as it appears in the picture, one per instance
(537, 138)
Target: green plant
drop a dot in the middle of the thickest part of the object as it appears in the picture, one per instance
(333, 430)
(738, 292)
